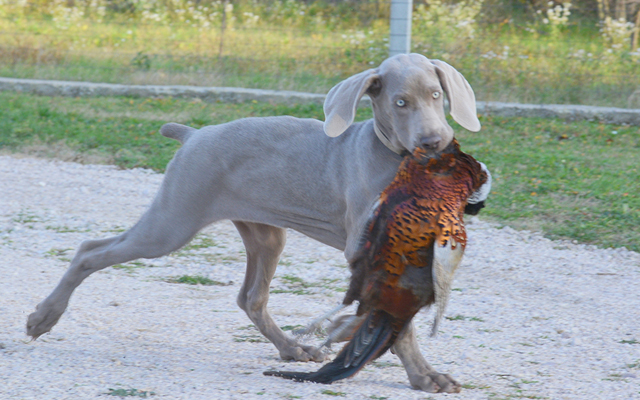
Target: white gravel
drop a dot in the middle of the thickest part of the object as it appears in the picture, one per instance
(528, 318)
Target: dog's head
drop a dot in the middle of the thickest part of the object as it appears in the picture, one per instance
(407, 95)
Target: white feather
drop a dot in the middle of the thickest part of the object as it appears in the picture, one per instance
(446, 260)
(483, 192)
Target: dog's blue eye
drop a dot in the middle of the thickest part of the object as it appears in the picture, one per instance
(400, 103)
(436, 95)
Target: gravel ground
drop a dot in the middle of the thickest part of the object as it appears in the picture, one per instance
(528, 317)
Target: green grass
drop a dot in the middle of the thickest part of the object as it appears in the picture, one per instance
(463, 318)
(252, 335)
(60, 254)
(291, 327)
(200, 242)
(118, 131)
(575, 180)
(572, 180)
(333, 393)
(131, 266)
(196, 280)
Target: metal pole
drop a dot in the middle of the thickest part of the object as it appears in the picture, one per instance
(400, 27)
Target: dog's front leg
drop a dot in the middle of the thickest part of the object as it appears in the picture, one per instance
(421, 375)
(264, 243)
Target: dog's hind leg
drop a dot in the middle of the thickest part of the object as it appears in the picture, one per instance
(421, 375)
(264, 243)
(156, 234)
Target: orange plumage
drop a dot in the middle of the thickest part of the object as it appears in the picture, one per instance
(410, 249)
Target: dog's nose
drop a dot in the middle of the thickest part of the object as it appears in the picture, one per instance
(430, 142)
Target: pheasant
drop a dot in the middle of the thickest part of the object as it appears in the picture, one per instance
(411, 247)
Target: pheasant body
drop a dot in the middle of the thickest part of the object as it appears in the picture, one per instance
(410, 249)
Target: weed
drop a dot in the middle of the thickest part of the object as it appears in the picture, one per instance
(200, 242)
(294, 284)
(141, 61)
(114, 230)
(214, 258)
(130, 267)
(27, 217)
(60, 254)
(463, 318)
(65, 229)
(330, 284)
(614, 377)
(251, 336)
(291, 327)
(129, 392)
(632, 341)
(332, 393)
(634, 365)
(197, 280)
(472, 386)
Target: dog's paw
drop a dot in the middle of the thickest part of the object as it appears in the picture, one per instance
(303, 353)
(437, 383)
(43, 319)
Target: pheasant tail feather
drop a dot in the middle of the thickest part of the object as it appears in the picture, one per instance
(374, 337)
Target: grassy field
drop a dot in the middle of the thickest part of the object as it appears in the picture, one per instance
(574, 180)
(283, 44)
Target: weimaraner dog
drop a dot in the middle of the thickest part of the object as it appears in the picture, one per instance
(269, 174)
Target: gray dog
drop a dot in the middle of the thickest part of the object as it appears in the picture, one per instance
(268, 174)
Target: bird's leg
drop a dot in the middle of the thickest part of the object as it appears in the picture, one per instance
(316, 324)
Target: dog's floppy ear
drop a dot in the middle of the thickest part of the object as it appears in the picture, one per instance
(462, 100)
(341, 102)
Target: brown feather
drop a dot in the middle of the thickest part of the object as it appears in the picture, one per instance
(394, 272)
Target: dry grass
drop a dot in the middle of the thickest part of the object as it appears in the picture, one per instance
(310, 47)
(58, 150)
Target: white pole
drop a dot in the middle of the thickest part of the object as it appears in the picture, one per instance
(400, 27)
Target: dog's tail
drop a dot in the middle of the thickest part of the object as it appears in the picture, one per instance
(179, 132)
